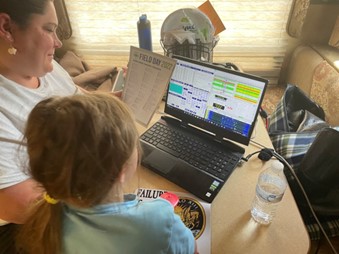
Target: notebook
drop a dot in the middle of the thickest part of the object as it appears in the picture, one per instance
(213, 111)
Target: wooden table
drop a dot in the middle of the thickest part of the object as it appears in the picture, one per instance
(233, 230)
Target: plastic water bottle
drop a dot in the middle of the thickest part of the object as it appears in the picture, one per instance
(144, 32)
(270, 189)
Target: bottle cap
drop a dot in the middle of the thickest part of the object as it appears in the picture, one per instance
(277, 165)
(143, 17)
(171, 197)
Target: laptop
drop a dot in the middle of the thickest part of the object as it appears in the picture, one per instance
(212, 110)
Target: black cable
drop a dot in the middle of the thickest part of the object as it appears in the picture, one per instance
(283, 160)
(228, 65)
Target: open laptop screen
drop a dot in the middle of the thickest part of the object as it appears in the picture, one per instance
(214, 98)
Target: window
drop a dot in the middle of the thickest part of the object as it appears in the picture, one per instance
(255, 37)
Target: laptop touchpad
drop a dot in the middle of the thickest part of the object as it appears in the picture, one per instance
(160, 161)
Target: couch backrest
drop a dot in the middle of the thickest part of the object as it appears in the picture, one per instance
(313, 21)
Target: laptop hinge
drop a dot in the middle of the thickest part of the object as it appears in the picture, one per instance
(173, 120)
(218, 138)
(183, 124)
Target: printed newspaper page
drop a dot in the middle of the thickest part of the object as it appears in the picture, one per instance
(194, 212)
(148, 75)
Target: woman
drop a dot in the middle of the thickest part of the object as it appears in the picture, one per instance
(28, 74)
(83, 171)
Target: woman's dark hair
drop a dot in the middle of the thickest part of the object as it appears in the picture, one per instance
(20, 11)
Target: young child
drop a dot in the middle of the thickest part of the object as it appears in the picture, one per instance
(82, 149)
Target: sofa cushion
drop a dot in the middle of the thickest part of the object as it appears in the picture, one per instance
(325, 91)
(330, 54)
(301, 67)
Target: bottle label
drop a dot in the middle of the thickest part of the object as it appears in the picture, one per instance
(274, 195)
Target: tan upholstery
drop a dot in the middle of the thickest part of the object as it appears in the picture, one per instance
(312, 23)
(64, 30)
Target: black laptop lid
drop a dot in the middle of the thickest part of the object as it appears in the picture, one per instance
(216, 99)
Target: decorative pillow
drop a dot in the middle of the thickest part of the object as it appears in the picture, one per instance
(325, 91)
(297, 18)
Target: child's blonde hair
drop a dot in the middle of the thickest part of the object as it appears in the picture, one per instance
(77, 147)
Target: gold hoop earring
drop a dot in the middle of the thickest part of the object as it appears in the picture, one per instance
(12, 51)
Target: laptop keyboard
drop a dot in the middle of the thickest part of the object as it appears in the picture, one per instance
(197, 152)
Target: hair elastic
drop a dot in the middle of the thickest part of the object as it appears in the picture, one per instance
(50, 200)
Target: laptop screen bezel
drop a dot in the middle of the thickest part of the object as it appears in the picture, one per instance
(217, 131)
